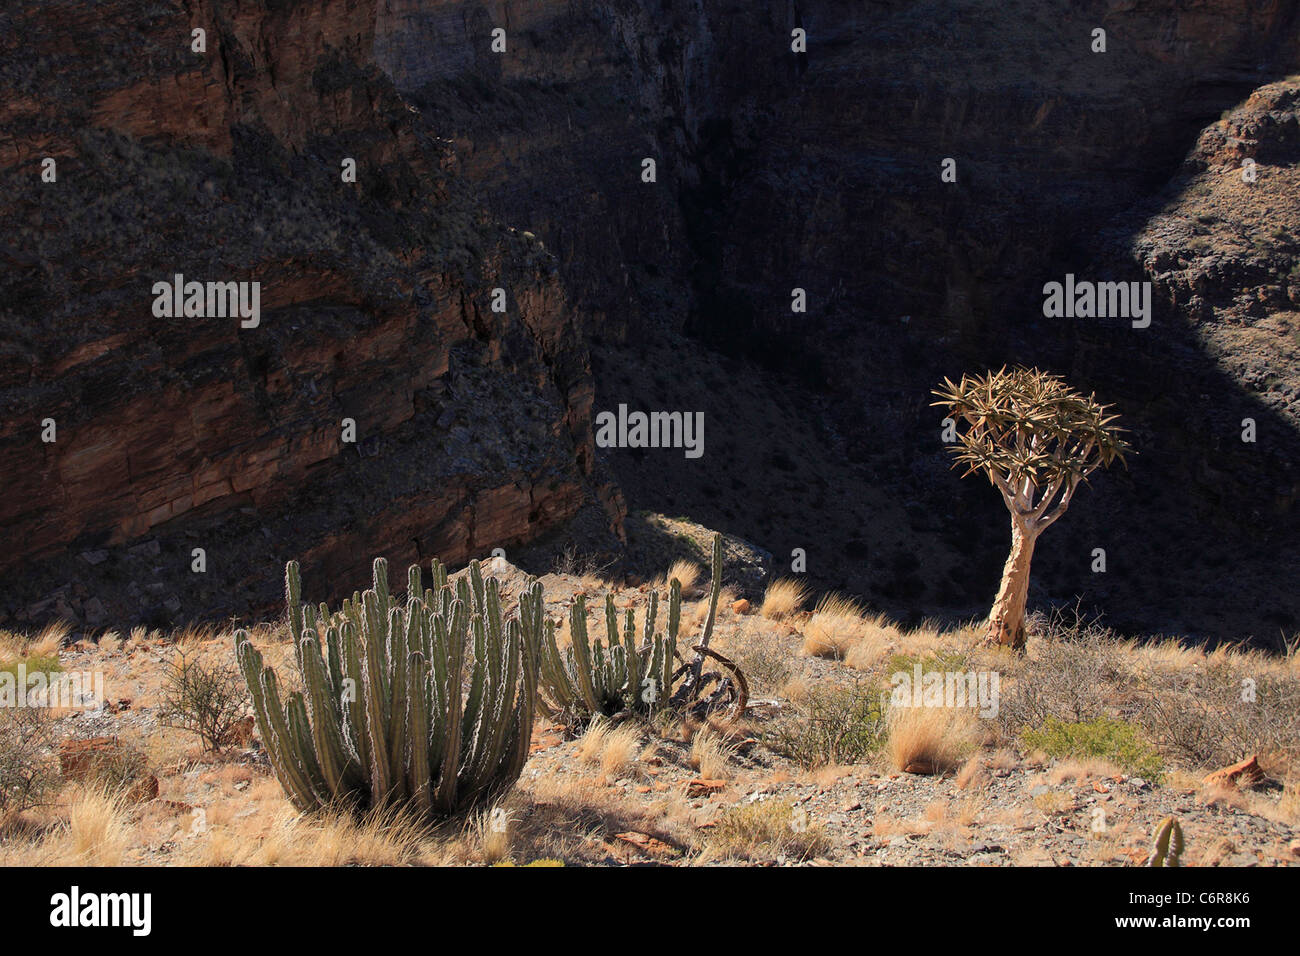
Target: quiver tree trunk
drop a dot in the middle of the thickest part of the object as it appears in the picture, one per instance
(1007, 619)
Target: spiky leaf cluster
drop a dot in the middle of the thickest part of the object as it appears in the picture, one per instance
(425, 705)
(1026, 430)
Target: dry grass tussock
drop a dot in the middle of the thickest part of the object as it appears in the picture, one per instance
(45, 643)
(836, 624)
(784, 597)
(685, 571)
(614, 748)
(930, 739)
(93, 828)
(765, 829)
(712, 755)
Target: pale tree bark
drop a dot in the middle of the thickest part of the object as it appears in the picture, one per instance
(1006, 626)
(1007, 619)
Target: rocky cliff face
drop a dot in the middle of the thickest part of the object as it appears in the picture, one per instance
(472, 426)
(775, 170)
(821, 171)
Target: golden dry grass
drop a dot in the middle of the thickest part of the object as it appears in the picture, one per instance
(711, 755)
(44, 643)
(765, 829)
(930, 739)
(492, 831)
(95, 831)
(836, 624)
(285, 838)
(613, 748)
(685, 571)
(784, 597)
(973, 775)
(878, 638)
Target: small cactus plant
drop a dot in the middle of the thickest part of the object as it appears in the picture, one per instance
(1167, 849)
(426, 706)
(591, 678)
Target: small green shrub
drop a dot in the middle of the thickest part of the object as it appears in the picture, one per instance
(33, 665)
(941, 662)
(833, 724)
(765, 829)
(1106, 738)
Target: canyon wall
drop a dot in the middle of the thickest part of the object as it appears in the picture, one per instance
(774, 170)
(472, 426)
(779, 170)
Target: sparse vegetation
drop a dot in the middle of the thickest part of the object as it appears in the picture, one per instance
(766, 829)
(1104, 737)
(833, 724)
(611, 747)
(766, 658)
(683, 571)
(836, 624)
(797, 779)
(29, 773)
(202, 696)
(711, 755)
(930, 740)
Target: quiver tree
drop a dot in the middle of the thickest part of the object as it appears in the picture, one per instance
(1036, 440)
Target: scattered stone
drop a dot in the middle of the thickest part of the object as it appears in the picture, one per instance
(704, 788)
(94, 557)
(741, 606)
(1246, 771)
(143, 790)
(77, 758)
(652, 846)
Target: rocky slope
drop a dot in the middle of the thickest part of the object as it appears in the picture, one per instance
(800, 781)
(471, 426)
(775, 170)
